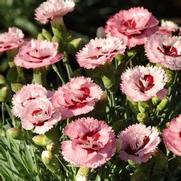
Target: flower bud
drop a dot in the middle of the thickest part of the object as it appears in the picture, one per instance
(170, 76)
(155, 100)
(82, 174)
(2, 79)
(131, 53)
(3, 65)
(4, 93)
(51, 147)
(41, 140)
(46, 35)
(162, 104)
(74, 44)
(14, 133)
(2, 133)
(50, 161)
(107, 82)
(142, 117)
(46, 157)
(16, 86)
(142, 106)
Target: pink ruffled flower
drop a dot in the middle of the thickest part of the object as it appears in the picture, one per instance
(164, 50)
(52, 9)
(169, 28)
(172, 136)
(26, 94)
(92, 143)
(11, 39)
(138, 143)
(77, 97)
(40, 115)
(32, 104)
(142, 83)
(37, 53)
(99, 51)
(134, 26)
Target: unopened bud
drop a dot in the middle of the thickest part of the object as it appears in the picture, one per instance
(14, 133)
(4, 93)
(51, 147)
(142, 106)
(46, 157)
(74, 44)
(170, 76)
(155, 100)
(50, 161)
(15, 87)
(107, 82)
(2, 79)
(82, 174)
(142, 117)
(46, 35)
(162, 104)
(41, 140)
(2, 133)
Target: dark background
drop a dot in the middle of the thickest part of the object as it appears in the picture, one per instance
(88, 14)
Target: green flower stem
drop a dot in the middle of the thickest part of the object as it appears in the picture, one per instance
(39, 76)
(57, 71)
(67, 65)
(82, 174)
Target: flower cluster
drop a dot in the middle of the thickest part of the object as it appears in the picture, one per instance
(72, 103)
(33, 106)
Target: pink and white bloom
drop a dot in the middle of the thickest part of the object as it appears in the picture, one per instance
(77, 97)
(11, 39)
(52, 9)
(164, 50)
(39, 115)
(142, 83)
(169, 28)
(91, 144)
(25, 95)
(172, 136)
(37, 53)
(138, 143)
(32, 104)
(134, 26)
(100, 51)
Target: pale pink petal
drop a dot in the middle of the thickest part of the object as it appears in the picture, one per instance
(37, 53)
(51, 9)
(142, 83)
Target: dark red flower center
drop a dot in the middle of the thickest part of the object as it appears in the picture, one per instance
(80, 101)
(146, 83)
(132, 151)
(90, 142)
(169, 51)
(130, 24)
(180, 134)
(36, 113)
